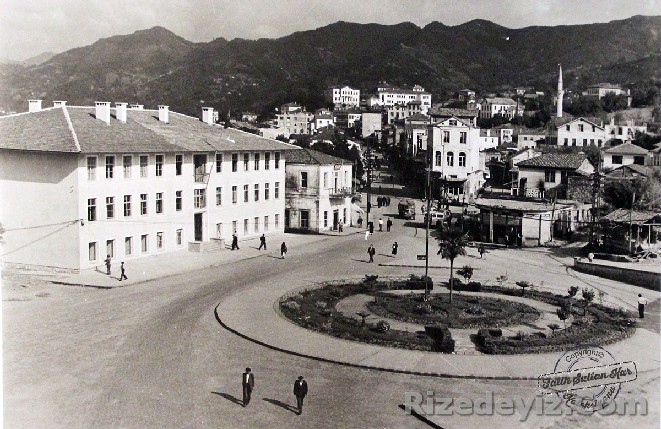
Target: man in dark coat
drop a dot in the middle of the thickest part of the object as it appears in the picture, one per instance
(283, 250)
(388, 224)
(371, 251)
(107, 261)
(123, 274)
(235, 242)
(394, 249)
(300, 390)
(248, 383)
(262, 242)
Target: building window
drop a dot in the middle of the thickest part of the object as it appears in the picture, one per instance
(127, 205)
(266, 223)
(179, 235)
(267, 160)
(219, 230)
(567, 128)
(344, 215)
(110, 167)
(234, 226)
(128, 246)
(580, 128)
(325, 180)
(159, 240)
(594, 129)
(92, 251)
(91, 209)
(110, 207)
(585, 142)
(234, 194)
(159, 165)
(110, 248)
(256, 156)
(127, 162)
(439, 158)
(639, 160)
(446, 136)
(462, 137)
(256, 192)
(219, 162)
(144, 243)
(566, 141)
(450, 159)
(144, 165)
(178, 163)
(246, 161)
(178, 200)
(573, 142)
(591, 142)
(325, 218)
(305, 218)
(245, 226)
(277, 160)
(277, 221)
(617, 159)
(91, 168)
(143, 204)
(549, 176)
(276, 190)
(199, 198)
(245, 193)
(304, 179)
(219, 196)
(256, 230)
(235, 162)
(599, 142)
(462, 159)
(159, 202)
(266, 191)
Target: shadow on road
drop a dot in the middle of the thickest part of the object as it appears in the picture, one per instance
(365, 261)
(281, 405)
(229, 397)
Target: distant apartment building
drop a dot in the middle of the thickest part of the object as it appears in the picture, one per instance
(505, 107)
(131, 183)
(342, 96)
(294, 119)
(318, 191)
(322, 118)
(465, 95)
(529, 138)
(346, 118)
(439, 114)
(415, 128)
(581, 132)
(391, 95)
(371, 123)
(601, 89)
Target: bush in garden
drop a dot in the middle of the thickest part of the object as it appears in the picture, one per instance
(320, 304)
(441, 337)
(382, 326)
(291, 305)
(523, 285)
(466, 272)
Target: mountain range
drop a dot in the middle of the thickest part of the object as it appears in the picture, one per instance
(156, 66)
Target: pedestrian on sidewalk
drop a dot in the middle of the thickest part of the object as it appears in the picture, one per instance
(340, 228)
(380, 224)
(262, 242)
(283, 250)
(300, 390)
(480, 250)
(367, 234)
(388, 201)
(123, 274)
(248, 383)
(394, 249)
(641, 306)
(371, 251)
(107, 261)
(360, 221)
(235, 241)
(388, 224)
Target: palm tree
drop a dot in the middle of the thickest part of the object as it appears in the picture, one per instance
(453, 243)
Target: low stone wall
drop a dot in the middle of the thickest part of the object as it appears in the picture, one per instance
(633, 275)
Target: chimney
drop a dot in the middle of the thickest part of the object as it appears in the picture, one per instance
(207, 115)
(120, 112)
(34, 105)
(137, 107)
(163, 114)
(103, 111)
(59, 103)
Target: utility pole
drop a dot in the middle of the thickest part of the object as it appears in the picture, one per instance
(633, 198)
(427, 221)
(369, 182)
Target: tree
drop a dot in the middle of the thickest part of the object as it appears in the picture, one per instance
(466, 272)
(588, 296)
(501, 279)
(562, 315)
(620, 193)
(553, 327)
(572, 291)
(453, 243)
(523, 285)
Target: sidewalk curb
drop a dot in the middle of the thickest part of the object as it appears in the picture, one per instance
(373, 368)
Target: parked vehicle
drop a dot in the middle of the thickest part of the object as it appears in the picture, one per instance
(435, 217)
(406, 209)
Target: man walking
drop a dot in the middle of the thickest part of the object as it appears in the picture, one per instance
(394, 249)
(123, 274)
(248, 382)
(388, 224)
(262, 242)
(107, 261)
(380, 224)
(283, 250)
(300, 390)
(641, 306)
(480, 250)
(371, 251)
(235, 241)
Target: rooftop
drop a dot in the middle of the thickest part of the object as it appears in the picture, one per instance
(450, 111)
(309, 156)
(501, 100)
(521, 205)
(627, 149)
(638, 217)
(632, 168)
(569, 161)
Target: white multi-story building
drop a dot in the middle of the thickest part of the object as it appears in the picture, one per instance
(318, 191)
(78, 184)
(581, 132)
(323, 118)
(535, 176)
(389, 96)
(455, 154)
(626, 154)
(371, 123)
(294, 119)
(505, 107)
(601, 89)
(342, 96)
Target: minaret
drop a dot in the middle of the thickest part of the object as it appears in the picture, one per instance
(560, 94)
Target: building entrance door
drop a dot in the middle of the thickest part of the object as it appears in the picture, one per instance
(336, 219)
(198, 226)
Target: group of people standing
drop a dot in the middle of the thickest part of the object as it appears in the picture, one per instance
(248, 385)
(262, 244)
(382, 201)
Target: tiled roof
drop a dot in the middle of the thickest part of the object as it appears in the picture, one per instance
(640, 169)
(450, 111)
(569, 161)
(627, 149)
(605, 85)
(309, 156)
(418, 117)
(592, 120)
(49, 130)
(501, 100)
(638, 217)
(519, 205)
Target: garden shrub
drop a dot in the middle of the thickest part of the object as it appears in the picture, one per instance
(418, 282)
(382, 326)
(441, 337)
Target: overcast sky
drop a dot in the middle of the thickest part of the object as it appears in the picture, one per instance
(30, 27)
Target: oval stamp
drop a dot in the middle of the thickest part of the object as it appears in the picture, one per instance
(587, 378)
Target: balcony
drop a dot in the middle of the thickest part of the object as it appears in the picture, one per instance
(201, 177)
(339, 192)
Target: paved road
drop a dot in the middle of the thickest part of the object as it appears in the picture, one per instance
(152, 355)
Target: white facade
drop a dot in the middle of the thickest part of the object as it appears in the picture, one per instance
(581, 132)
(626, 154)
(343, 96)
(528, 140)
(371, 123)
(295, 122)
(505, 107)
(389, 96)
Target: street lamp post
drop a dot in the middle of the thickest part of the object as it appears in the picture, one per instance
(427, 220)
